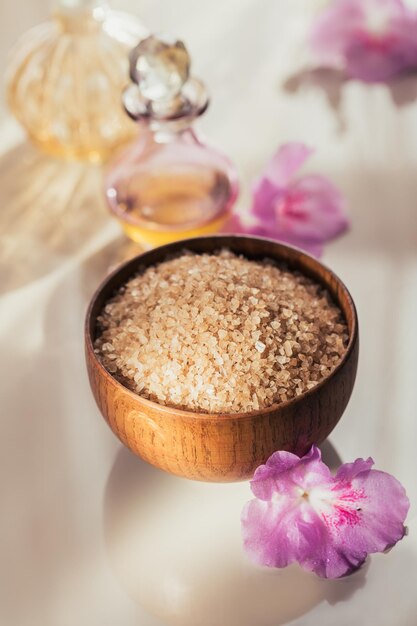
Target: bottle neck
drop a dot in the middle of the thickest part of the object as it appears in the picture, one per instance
(79, 16)
(170, 131)
(78, 5)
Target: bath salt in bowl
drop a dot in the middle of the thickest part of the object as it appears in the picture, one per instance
(207, 355)
(219, 333)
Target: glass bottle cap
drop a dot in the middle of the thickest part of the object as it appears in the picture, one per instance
(162, 87)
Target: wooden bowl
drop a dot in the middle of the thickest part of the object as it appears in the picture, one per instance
(222, 447)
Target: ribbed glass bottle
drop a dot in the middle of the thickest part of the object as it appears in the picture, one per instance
(66, 76)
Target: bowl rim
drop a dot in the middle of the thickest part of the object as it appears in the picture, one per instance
(183, 413)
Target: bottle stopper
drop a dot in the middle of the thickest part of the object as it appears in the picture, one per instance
(162, 87)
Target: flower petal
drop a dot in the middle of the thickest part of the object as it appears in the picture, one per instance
(236, 225)
(312, 209)
(304, 212)
(272, 232)
(328, 524)
(373, 60)
(367, 517)
(373, 40)
(263, 483)
(265, 193)
(285, 163)
(285, 473)
(276, 534)
(348, 471)
(333, 30)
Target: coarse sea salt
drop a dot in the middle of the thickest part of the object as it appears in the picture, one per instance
(220, 333)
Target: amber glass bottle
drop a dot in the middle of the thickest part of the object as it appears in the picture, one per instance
(66, 76)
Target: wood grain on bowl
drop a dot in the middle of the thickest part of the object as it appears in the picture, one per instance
(222, 447)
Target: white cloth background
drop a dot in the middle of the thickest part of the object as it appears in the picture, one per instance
(58, 564)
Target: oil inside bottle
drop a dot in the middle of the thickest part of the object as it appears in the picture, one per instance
(158, 206)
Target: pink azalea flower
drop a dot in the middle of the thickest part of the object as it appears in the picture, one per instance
(237, 226)
(304, 212)
(372, 40)
(328, 524)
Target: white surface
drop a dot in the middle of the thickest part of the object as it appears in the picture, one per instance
(165, 541)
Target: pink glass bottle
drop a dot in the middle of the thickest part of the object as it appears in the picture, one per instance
(168, 185)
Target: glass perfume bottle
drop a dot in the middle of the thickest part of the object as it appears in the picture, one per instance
(168, 185)
(66, 77)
